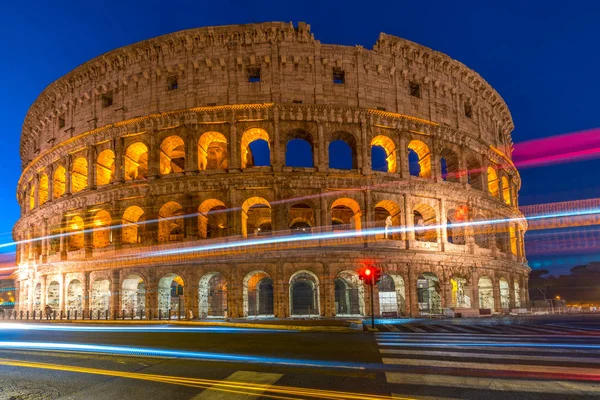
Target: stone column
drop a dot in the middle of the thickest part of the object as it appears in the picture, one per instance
(88, 235)
(280, 299)
(364, 161)
(45, 240)
(321, 160)
(191, 299)
(44, 294)
(511, 292)
(496, 289)
(408, 212)
(153, 156)
(190, 223)
(68, 190)
(412, 290)
(116, 228)
(115, 292)
(36, 193)
(92, 167)
(191, 153)
(50, 171)
(152, 297)
(436, 166)
(64, 239)
(475, 289)
(234, 161)
(277, 153)
(117, 147)
(443, 228)
(62, 298)
(328, 295)
(85, 292)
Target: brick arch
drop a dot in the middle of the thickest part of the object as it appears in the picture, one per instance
(213, 151)
(390, 147)
(350, 139)
(249, 136)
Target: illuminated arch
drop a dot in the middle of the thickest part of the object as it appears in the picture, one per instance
(424, 157)
(79, 175)
(346, 211)
(452, 170)
(301, 218)
(474, 173)
(513, 240)
(172, 155)
(170, 222)
(168, 305)
(247, 138)
(212, 219)
(256, 216)
(492, 181)
(32, 197)
(43, 191)
(257, 293)
(349, 294)
(506, 195)
(390, 208)
(75, 229)
(429, 294)
(486, 293)
(425, 220)
(390, 151)
(504, 294)
(212, 151)
(101, 234)
(133, 296)
(105, 167)
(136, 161)
(133, 226)
(212, 295)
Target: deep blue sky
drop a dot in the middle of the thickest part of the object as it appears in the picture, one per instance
(541, 57)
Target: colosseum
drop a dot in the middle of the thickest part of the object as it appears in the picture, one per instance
(249, 171)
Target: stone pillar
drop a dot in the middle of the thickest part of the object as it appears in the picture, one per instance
(152, 297)
(86, 292)
(50, 171)
(116, 226)
(325, 215)
(92, 167)
(497, 302)
(45, 240)
(117, 147)
(412, 290)
(191, 153)
(511, 292)
(475, 289)
(364, 161)
(277, 153)
(280, 294)
(190, 223)
(410, 223)
(369, 212)
(153, 156)
(88, 235)
(115, 292)
(234, 161)
(62, 298)
(443, 228)
(64, 239)
(191, 299)
(321, 160)
(36, 193)
(436, 166)
(68, 175)
(328, 295)
(44, 294)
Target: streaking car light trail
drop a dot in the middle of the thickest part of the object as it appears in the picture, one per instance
(491, 344)
(153, 328)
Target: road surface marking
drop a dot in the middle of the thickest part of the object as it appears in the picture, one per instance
(392, 328)
(415, 328)
(259, 378)
(591, 360)
(513, 349)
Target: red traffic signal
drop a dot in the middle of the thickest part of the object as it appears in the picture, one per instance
(370, 274)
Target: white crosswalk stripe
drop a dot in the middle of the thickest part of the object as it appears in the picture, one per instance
(420, 365)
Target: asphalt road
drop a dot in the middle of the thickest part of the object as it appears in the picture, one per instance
(548, 361)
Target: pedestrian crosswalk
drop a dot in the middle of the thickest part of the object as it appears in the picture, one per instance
(500, 329)
(489, 365)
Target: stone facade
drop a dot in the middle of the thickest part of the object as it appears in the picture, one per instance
(142, 175)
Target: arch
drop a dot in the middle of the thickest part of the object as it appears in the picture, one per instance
(304, 294)
(59, 184)
(429, 294)
(421, 156)
(212, 296)
(517, 290)
(79, 175)
(101, 232)
(256, 216)
(43, 191)
(459, 291)
(170, 287)
(74, 296)
(502, 237)
(248, 137)
(133, 225)
(136, 161)
(506, 195)
(105, 167)
(170, 222)
(346, 212)
(474, 173)
(172, 155)
(383, 210)
(349, 294)
(75, 228)
(481, 232)
(133, 296)
(258, 294)
(301, 218)
(455, 231)
(513, 239)
(37, 297)
(392, 295)
(486, 293)
(213, 152)
(425, 221)
(212, 219)
(299, 153)
(100, 297)
(492, 181)
(32, 197)
(504, 294)
(450, 166)
(53, 295)
(343, 147)
(387, 144)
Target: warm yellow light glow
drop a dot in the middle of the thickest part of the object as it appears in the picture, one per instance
(43, 191)
(424, 155)
(136, 161)
(172, 155)
(492, 181)
(390, 150)
(248, 137)
(59, 182)
(212, 151)
(105, 167)
(79, 175)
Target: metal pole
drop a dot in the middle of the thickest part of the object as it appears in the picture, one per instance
(372, 303)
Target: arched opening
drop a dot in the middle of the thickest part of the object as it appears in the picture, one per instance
(101, 233)
(392, 295)
(212, 219)
(345, 214)
(450, 166)
(504, 294)
(59, 182)
(75, 229)
(388, 216)
(502, 237)
(254, 153)
(506, 190)
(105, 167)
(304, 294)
(172, 155)
(136, 161)
(342, 151)
(349, 294)
(53, 295)
(256, 217)
(482, 232)
(170, 222)
(170, 296)
(32, 197)
(79, 175)
(429, 294)
(513, 240)
(299, 149)
(26, 296)
(460, 298)
(474, 171)
(212, 296)
(492, 181)
(213, 153)
(517, 295)
(43, 193)
(133, 228)
(486, 293)
(37, 297)
(419, 159)
(258, 294)
(301, 219)
(100, 297)
(455, 230)
(424, 220)
(74, 300)
(133, 296)
(383, 154)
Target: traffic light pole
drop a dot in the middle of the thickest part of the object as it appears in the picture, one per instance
(372, 303)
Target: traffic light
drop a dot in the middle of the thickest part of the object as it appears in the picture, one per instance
(370, 274)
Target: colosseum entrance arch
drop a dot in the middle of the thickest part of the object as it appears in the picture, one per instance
(392, 295)
(74, 298)
(258, 295)
(170, 287)
(212, 219)
(100, 297)
(212, 296)
(504, 294)
(53, 299)
(133, 296)
(429, 294)
(256, 217)
(349, 294)
(460, 292)
(419, 159)
(304, 294)
(213, 152)
(486, 293)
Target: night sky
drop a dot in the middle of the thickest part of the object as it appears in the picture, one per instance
(542, 58)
